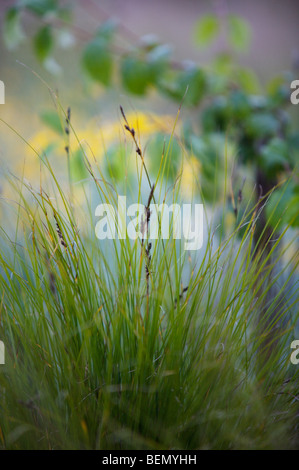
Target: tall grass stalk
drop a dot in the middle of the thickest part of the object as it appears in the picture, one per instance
(103, 354)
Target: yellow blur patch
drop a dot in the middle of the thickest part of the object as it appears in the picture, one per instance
(84, 427)
(190, 176)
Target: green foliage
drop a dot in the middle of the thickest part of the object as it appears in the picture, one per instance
(12, 30)
(135, 75)
(248, 80)
(215, 117)
(283, 206)
(78, 169)
(239, 32)
(189, 84)
(115, 166)
(261, 125)
(52, 120)
(210, 149)
(97, 61)
(239, 105)
(164, 147)
(43, 42)
(274, 156)
(206, 30)
(144, 67)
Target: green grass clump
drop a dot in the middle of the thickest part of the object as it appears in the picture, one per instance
(110, 348)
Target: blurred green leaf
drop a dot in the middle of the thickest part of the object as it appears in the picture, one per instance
(189, 84)
(279, 91)
(239, 32)
(293, 140)
(282, 207)
(274, 156)
(223, 64)
(135, 75)
(172, 152)
(52, 120)
(274, 84)
(115, 162)
(239, 105)
(210, 151)
(78, 168)
(206, 30)
(261, 125)
(43, 43)
(216, 116)
(97, 61)
(248, 80)
(157, 62)
(194, 81)
(12, 30)
(247, 151)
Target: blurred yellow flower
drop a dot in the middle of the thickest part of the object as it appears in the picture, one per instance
(190, 176)
(95, 138)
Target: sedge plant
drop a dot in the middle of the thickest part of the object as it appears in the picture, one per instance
(122, 344)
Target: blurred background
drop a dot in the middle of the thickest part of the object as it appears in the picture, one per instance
(273, 49)
(274, 46)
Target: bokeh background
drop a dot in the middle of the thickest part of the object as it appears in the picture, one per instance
(274, 48)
